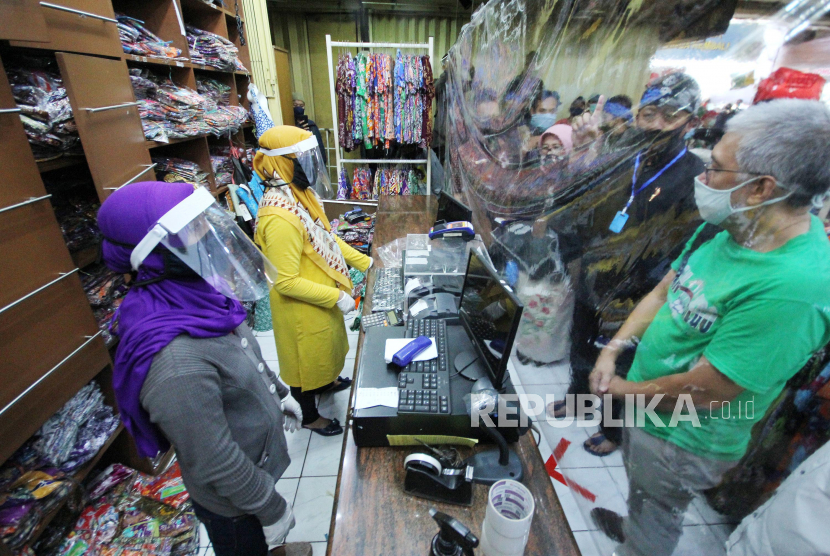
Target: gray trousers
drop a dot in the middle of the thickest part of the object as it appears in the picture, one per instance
(662, 480)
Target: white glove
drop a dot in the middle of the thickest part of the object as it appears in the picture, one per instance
(293, 413)
(345, 303)
(275, 534)
(371, 264)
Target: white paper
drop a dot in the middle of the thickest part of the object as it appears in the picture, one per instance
(418, 253)
(395, 345)
(416, 260)
(371, 397)
(411, 285)
(421, 305)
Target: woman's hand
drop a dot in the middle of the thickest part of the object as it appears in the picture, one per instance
(293, 413)
(345, 303)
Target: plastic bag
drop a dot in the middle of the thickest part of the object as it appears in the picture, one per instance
(392, 253)
(790, 83)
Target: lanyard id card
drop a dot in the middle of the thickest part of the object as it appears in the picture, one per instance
(619, 222)
(621, 218)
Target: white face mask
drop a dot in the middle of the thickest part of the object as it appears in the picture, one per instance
(715, 205)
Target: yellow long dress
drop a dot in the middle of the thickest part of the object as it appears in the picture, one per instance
(309, 328)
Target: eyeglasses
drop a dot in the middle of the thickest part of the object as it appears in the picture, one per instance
(708, 168)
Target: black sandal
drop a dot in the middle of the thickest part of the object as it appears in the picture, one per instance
(345, 384)
(332, 429)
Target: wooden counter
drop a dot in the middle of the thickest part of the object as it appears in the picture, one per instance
(372, 515)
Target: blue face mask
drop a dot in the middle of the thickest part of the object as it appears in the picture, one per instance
(542, 121)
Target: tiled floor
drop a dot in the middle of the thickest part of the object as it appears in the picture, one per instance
(310, 480)
(704, 532)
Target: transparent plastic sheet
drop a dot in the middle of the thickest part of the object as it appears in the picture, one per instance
(392, 253)
(543, 112)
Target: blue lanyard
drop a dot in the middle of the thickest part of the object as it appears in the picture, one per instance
(649, 182)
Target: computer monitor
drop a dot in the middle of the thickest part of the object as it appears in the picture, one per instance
(451, 209)
(490, 312)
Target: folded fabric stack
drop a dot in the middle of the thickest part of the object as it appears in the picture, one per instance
(169, 111)
(105, 290)
(34, 480)
(174, 170)
(359, 235)
(33, 495)
(73, 435)
(46, 114)
(226, 119)
(214, 90)
(77, 219)
(210, 49)
(132, 514)
(220, 160)
(137, 39)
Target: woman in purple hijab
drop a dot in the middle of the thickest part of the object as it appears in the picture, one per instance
(189, 372)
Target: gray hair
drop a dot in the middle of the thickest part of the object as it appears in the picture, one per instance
(788, 139)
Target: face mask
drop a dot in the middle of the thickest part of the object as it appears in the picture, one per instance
(542, 121)
(715, 205)
(174, 268)
(300, 177)
(299, 110)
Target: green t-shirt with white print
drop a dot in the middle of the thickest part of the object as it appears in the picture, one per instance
(757, 317)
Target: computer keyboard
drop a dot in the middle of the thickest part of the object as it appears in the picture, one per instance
(424, 386)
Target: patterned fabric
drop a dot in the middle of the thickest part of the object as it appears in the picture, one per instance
(344, 188)
(322, 241)
(386, 180)
(381, 99)
(262, 315)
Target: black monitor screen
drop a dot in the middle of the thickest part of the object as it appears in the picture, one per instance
(491, 314)
(451, 209)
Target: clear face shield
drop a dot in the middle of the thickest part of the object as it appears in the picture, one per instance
(208, 240)
(309, 168)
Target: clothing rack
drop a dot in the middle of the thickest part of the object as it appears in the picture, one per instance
(428, 46)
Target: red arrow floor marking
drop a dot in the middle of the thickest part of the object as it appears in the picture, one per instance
(551, 465)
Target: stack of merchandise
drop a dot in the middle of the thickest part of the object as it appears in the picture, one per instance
(169, 111)
(174, 170)
(381, 99)
(105, 291)
(46, 114)
(37, 478)
(132, 514)
(385, 180)
(77, 219)
(214, 90)
(220, 159)
(209, 49)
(357, 235)
(137, 39)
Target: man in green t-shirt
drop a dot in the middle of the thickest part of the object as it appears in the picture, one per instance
(734, 319)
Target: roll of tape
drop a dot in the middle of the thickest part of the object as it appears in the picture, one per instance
(510, 508)
(423, 459)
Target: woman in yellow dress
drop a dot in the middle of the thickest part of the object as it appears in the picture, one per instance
(313, 289)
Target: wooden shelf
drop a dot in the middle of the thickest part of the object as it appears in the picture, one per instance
(77, 477)
(155, 144)
(58, 163)
(86, 256)
(199, 6)
(157, 61)
(221, 190)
